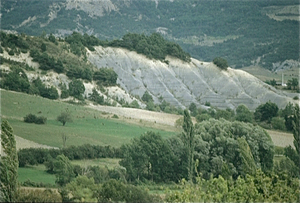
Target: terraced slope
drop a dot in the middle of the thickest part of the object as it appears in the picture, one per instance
(181, 83)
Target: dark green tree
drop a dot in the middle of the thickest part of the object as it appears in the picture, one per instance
(43, 47)
(193, 109)
(76, 89)
(243, 114)
(148, 157)
(221, 63)
(188, 138)
(265, 112)
(147, 97)
(292, 84)
(63, 170)
(52, 38)
(95, 97)
(8, 164)
(106, 76)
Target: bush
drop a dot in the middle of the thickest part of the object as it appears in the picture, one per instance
(106, 77)
(31, 118)
(38, 195)
(115, 116)
(41, 120)
(221, 63)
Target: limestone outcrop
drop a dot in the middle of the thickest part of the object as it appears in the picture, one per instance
(181, 83)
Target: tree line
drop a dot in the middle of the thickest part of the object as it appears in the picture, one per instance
(219, 158)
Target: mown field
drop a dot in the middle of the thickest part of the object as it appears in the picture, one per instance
(88, 126)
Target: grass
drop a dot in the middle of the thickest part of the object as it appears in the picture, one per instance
(36, 174)
(103, 162)
(84, 129)
(264, 74)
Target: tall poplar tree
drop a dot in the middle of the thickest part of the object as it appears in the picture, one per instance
(8, 164)
(189, 142)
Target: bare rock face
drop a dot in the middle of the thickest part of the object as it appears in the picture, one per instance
(181, 83)
(92, 7)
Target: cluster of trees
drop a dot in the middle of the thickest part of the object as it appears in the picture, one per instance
(268, 115)
(47, 62)
(15, 80)
(153, 46)
(223, 148)
(105, 77)
(33, 156)
(78, 42)
(250, 188)
(31, 118)
(82, 188)
(293, 84)
(13, 43)
(163, 106)
(38, 88)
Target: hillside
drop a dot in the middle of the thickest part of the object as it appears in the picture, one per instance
(248, 32)
(181, 83)
(81, 68)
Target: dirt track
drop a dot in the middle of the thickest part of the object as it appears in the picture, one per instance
(23, 143)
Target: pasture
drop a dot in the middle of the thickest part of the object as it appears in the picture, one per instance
(36, 174)
(89, 126)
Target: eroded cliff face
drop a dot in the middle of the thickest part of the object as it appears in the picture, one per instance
(181, 83)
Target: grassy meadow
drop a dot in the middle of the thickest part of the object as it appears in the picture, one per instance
(88, 126)
(264, 74)
(103, 162)
(36, 174)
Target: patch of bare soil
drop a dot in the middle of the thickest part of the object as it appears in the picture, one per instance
(139, 114)
(281, 139)
(23, 143)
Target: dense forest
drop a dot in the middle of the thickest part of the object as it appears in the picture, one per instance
(241, 32)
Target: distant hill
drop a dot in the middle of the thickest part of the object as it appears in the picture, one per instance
(248, 32)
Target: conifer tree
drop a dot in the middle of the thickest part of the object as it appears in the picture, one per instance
(8, 164)
(189, 142)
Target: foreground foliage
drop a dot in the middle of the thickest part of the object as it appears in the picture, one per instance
(8, 164)
(257, 188)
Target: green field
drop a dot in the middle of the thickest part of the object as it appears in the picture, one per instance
(103, 162)
(36, 174)
(84, 129)
(264, 74)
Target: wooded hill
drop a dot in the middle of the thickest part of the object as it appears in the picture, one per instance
(244, 32)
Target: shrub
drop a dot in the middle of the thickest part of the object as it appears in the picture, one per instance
(115, 116)
(106, 77)
(31, 118)
(41, 120)
(221, 63)
(38, 195)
